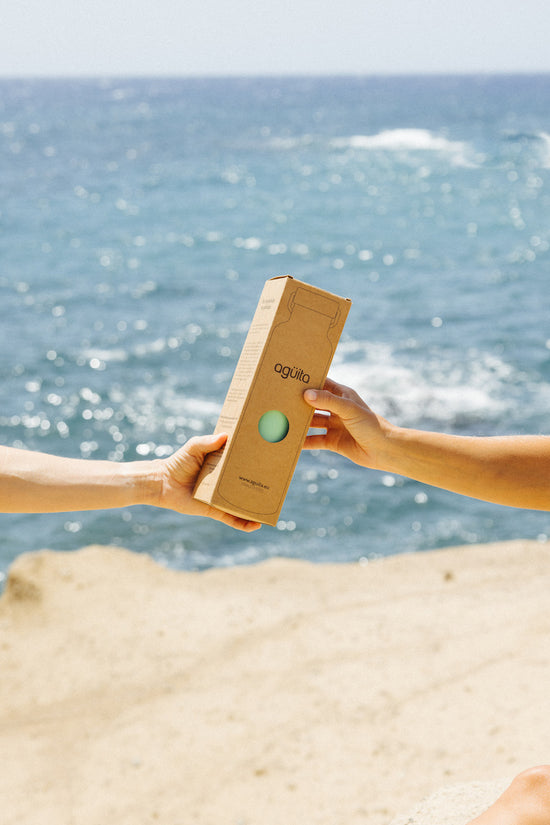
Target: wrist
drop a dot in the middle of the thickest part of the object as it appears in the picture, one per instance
(143, 481)
(392, 448)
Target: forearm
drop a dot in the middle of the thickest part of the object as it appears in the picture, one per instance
(514, 471)
(39, 483)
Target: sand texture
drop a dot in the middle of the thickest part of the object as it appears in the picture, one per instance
(284, 693)
(454, 805)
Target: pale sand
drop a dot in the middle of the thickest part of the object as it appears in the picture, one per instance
(454, 805)
(285, 693)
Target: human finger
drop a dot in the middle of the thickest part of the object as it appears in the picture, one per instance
(317, 441)
(334, 387)
(325, 400)
(238, 523)
(200, 445)
(320, 421)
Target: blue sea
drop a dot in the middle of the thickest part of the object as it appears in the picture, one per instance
(139, 219)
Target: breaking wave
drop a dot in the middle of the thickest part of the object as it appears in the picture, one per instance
(409, 140)
(480, 390)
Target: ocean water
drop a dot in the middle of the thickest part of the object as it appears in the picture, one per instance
(140, 218)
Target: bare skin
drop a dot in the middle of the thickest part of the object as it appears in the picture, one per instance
(33, 482)
(525, 802)
(511, 470)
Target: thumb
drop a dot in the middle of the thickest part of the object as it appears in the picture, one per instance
(200, 446)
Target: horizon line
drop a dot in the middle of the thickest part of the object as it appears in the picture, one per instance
(275, 75)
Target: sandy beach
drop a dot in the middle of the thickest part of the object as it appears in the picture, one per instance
(282, 693)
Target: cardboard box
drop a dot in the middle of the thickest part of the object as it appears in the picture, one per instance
(289, 347)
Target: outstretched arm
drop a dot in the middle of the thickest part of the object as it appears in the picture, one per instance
(510, 470)
(32, 482)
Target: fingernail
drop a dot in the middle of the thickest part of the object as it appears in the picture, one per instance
(311, 395)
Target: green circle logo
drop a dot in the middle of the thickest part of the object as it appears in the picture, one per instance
(273, 426)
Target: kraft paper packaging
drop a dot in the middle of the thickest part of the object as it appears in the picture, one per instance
(289, 347)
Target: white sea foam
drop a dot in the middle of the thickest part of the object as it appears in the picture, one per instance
(409, 140)
(405, 140)
(406, 393)
(544, 137)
